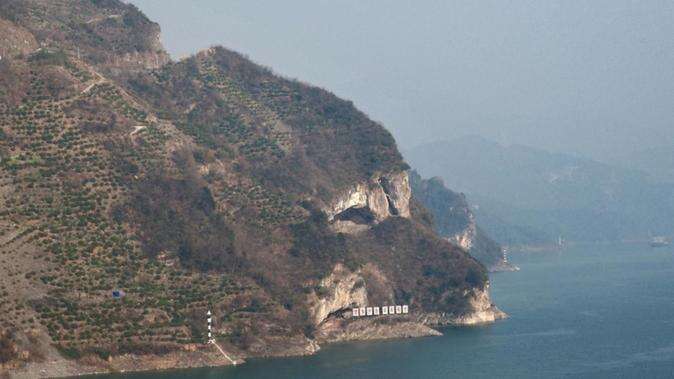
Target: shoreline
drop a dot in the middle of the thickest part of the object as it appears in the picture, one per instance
(204, 356)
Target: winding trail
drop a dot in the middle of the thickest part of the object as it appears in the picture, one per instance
(223, 353)
(101, 79)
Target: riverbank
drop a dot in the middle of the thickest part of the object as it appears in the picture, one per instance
(208, 355)
(202, 356)
(591, 312)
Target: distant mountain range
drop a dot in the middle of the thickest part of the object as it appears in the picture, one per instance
(524, 195)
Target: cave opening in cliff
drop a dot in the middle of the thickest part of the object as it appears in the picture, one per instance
(361, 215)
(337, 314)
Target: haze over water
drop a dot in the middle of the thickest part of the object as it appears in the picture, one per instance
(591, 311)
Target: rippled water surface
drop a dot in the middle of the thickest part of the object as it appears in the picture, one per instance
(591, 311)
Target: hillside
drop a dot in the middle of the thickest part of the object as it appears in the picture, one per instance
(538, 196)
(137, 193)
(454, 220)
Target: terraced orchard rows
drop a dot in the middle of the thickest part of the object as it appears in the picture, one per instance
(182, 186)
(66, 165)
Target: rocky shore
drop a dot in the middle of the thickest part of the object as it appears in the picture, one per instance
(56, 366)
(194, 356)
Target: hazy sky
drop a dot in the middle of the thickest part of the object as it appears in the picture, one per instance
(594, 77)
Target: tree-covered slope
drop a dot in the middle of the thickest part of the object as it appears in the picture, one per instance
(207, 183)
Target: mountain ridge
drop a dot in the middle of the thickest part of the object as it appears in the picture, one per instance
(543, 195)
(138, 193)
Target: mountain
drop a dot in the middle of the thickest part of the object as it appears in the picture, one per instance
(523, 195)
(138, 193)
(454, 220)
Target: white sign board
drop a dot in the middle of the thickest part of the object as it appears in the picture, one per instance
(375, 311)
(354, 312)
(406, 309)
(399, 309)
(384, 310)
(362, 311)
(391, 310)
(369, 311)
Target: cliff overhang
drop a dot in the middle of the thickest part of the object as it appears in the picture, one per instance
(367, 203)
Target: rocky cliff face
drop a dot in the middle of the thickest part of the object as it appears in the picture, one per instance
(483, 311)
(465, 238)
(115, 37)
(454, 220)
(344, 290)
(371, 202)
(339, 291)
(136, 197)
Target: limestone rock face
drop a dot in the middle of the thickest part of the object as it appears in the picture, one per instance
(465, 238)
(369, 203)
(360, 196)
(374, 328)
(340, 290)
(398, 193)
(153, 57)
(136, 61)
(344, 289)
(482, 311)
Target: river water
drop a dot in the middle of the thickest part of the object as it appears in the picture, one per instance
(590, 311)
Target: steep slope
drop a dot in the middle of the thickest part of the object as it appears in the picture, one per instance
(137, 193)
(549, 194)
(454, 220)
(112, 35)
